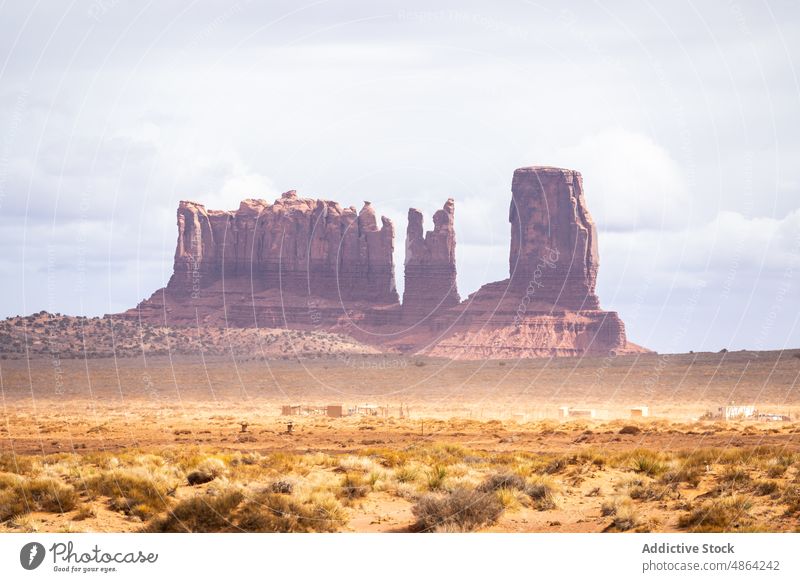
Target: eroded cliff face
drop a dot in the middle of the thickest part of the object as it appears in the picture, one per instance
(311, 264)
(430, 264)
(301, 246)
(553, 238)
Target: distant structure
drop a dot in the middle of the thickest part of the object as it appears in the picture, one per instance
(733, 411)
(334, 410)
(568, 412)
(741, 412)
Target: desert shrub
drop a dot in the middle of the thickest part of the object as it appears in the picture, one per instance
(436, 477)
(19, 464)
(85, 511)
(210, 512)
(24, 523)
(623, 515)
(765, 487)
(776, 471)
(542, 492)
(281, 486)
(608, 508)
(274, 512)
(353, 463)
(50, 494)
(555, 466)
(720, 515)
(791, 497)
(648, 462)
(281, 462)
(509, 498)
(700, 458)
(406, 474)
(199, 478)
(135, 491)
(207, 470)
(630, 429)
(459, 510)
(353, 486)
(689, 475)
(734, 478)
(503, 481)
(388, 457)
(215, 467)
(20, 495)
(654, 492)
(593, 456)
(625, 518)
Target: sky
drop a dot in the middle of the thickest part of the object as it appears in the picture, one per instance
(683, 117)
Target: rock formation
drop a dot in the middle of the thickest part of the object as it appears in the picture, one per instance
(430, 264)
(553, 238)
(314, 265)
(298, 245)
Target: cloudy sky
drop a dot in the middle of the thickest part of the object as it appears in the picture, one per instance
(684, 118)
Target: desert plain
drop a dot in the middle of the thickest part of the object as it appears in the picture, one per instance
(193, 442)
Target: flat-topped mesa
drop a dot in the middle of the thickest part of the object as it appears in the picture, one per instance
(303, 246)
(430, 264)
(553, 238)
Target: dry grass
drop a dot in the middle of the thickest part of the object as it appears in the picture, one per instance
(209, 512)
(543, 491)
(442, 488)
(20, 495)
(624, 514)
(271, 512)
(138, 491)
(460, 510)
(720, 515)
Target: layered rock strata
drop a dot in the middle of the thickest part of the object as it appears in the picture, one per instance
(430, 264)
(312, 264)
(298, 245)
(553, 238)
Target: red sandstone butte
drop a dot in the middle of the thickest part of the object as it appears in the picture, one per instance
(549, 220)
(430, 264)
(313, 265)
(299, 245)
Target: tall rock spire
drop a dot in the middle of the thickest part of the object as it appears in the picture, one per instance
(430, 264)
(553, 238)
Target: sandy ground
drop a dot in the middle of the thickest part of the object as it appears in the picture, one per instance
(108, 407)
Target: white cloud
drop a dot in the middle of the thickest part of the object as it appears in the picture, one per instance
(633, 183)
(730, 272)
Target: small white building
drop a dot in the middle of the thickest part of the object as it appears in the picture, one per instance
(735, 411)
(640, 411)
